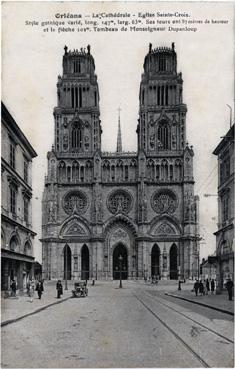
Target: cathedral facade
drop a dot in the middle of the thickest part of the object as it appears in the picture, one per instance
(109, 212)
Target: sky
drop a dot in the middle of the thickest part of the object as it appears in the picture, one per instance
(32, 61)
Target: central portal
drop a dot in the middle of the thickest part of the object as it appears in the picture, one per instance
(120, 249)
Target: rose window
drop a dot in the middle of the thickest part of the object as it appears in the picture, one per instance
(119, 201)
(164, 202)
(75, 202)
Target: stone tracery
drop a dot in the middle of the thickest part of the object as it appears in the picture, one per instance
(75, 201)
(119, 202)
(164, 202)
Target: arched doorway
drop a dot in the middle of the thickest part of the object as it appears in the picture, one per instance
(173, 262)
(85, 262)
(120, 249)
(155, 255)
(67, 262)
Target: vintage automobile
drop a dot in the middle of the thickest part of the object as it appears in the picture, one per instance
(80, 289)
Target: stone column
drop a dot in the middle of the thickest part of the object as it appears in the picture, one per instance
(61, 272)
(91, 257)
(145, 259)
(140, 258)
(165, 268)
(75, 266)
(79, 262)
(186, 259)
(160, 264)
(20, 276)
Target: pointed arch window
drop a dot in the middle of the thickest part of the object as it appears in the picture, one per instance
(14, 243)
(27, 248)
(75, 170)
(76, 136)
(62, 170)
(163, 136)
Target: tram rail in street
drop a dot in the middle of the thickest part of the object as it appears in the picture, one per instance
(172, 331)
(195, 321)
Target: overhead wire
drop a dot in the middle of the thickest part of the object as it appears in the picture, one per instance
(207, 178)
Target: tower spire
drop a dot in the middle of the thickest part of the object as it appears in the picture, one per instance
(119, 136)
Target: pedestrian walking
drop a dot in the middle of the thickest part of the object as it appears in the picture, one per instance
(212, 286)
(39, 289)
(31, 290)
(59, 288)
(196, 287)
(179, 285)
(201, 288)
(13, 288)
(28, 287)
(153, 280)
(207, 286)
(229, 286)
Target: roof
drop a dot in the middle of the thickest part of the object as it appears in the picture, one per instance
(10, 121)
(228, 137)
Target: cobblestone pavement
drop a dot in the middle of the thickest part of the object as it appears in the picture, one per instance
(115, 327)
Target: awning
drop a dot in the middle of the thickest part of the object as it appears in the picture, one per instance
(8, 254)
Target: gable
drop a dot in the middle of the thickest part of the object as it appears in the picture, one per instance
(73, 228)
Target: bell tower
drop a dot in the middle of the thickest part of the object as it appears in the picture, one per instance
(77, 124)
(161, 110)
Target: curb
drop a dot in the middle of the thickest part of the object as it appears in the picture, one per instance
(10, 321)
(201, 303)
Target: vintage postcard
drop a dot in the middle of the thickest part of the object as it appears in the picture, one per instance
(117, 206)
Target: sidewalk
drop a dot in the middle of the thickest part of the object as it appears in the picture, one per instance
(216, 302)
(15, 308)
(170, 288)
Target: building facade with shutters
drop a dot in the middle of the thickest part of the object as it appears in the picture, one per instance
(98, 206)
(225, 233)
(16, 210)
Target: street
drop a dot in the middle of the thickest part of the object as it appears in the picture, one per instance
(136, 326)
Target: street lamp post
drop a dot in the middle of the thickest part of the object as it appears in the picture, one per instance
(120, 268)
(198, 266)
(66, 267)
(96, 267)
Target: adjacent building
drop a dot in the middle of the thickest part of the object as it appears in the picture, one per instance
(98, 206)
(208, 268)
(17, 236)
(225, 233)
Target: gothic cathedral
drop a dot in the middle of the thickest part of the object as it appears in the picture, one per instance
(109, 212)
